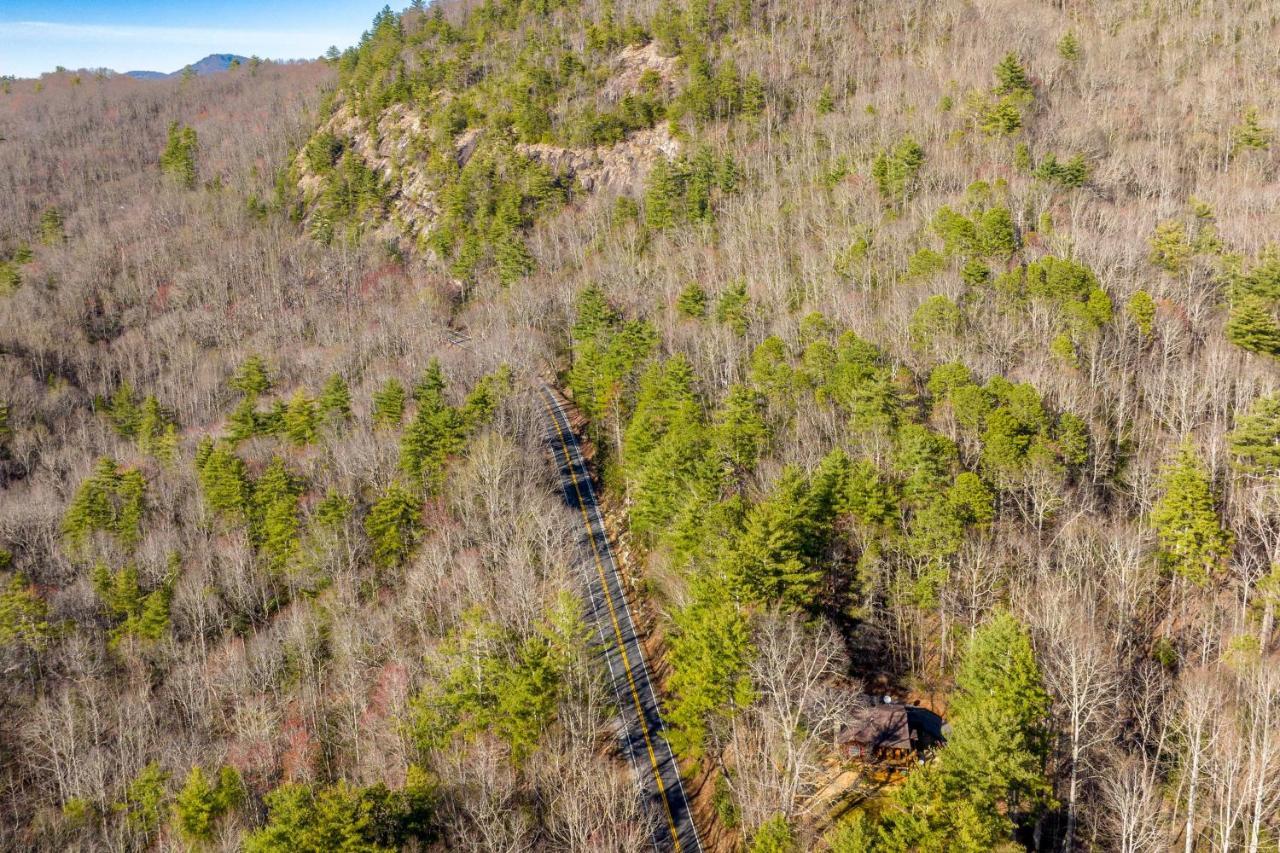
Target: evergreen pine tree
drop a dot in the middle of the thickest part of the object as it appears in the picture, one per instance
(1011, 77)
(388, 405)
(202, 801)
(251, 378)
(771, 374)
(709, 652)
(1072, 437)
(926, 460)
(1003, 117)
(1141, 308)
(131, 491)
(166, 446)
(692, 302)
(1069, 47)
(594, 315)
(1170, 249)
(895, 171)
(665, 447)
(773, 836)
(989, 778)
(225, 482)
(1251, 325)
(935, 534)
(511, 256)
(195, 807)
(1255, 441)
(91, 509)
(271, 422)
(733, 307)
(866, 496)
(335, 399)
(152, 621)
(666, 398)
(275, 505)
(394, 525)
(123, 411)
(119, 591)
(959, 234)
(24, 616)
(741, 434)
(431, 386)
(775, 558)
(230, 792)
(204, 449)
(999, 716)
(996, 234)
(51, 228)
(1250, 134)
(300, 419)
(333, 511)
(103, 580)
(483, 400)
(1064, 349)
(179, 157)
(243, 422)
(972, 501)
(935, 319)
(753, 95)
(112, 500)
(1193, 543)
(663, 196)
(1263, 280)
(434, 434)
(826, 101)
(151, 425)
(338, 818)
(852, 834)
(145, 800)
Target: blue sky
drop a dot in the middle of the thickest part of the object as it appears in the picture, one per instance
(132, 35)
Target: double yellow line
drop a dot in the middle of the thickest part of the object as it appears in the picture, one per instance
(613, 614)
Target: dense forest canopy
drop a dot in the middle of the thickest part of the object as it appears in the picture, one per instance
(922, 349)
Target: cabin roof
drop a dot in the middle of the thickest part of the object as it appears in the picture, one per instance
(881, 726)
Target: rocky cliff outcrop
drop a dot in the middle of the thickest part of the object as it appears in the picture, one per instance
(395, 148)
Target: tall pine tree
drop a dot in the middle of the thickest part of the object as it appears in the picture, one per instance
(1193, 542)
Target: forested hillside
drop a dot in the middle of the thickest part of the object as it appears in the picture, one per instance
(926, 349)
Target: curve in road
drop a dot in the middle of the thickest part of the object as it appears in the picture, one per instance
(644, 734)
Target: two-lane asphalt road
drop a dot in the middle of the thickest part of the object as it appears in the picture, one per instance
(643, 740)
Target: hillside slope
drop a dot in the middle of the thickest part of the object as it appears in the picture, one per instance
(925, 349)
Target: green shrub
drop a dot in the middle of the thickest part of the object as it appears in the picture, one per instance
(1073, 173)
(1141, 308)
(895, 170)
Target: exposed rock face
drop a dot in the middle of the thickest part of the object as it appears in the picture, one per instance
(618, 166)
(466, 144)
(389, 153)
(630, 66)
(389, 148)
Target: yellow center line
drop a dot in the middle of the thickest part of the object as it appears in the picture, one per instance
(617, 628)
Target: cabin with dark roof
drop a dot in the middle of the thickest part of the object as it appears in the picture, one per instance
(889, 733)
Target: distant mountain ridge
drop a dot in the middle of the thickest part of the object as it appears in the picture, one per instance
(214, 63)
